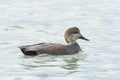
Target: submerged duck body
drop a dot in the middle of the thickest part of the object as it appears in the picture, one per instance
(71, 35)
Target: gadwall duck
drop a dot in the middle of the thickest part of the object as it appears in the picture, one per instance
(71, 35)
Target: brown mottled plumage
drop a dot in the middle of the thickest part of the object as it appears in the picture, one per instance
(71, 35)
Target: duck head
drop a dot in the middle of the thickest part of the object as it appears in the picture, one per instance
(72, 34)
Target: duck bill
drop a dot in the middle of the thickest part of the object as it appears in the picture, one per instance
(81, 37)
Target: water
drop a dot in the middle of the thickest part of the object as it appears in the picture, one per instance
(25, 22)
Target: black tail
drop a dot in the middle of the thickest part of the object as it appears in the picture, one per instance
(29, 53)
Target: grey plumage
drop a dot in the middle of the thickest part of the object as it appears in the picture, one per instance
(71, 35)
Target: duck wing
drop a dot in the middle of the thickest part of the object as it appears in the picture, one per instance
(48, 48)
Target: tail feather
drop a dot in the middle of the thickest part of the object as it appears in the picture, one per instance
(28, 52)
(32, 53)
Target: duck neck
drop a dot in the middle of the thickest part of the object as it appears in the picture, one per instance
(73, 47)
(73, 42)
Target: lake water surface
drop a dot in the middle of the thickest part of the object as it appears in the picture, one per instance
(25, 22)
